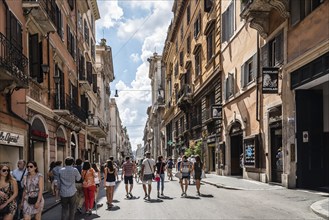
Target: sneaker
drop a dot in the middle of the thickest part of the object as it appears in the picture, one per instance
(199, 194)
(148, 198)
(182, 194)
(158, 195)
(127, 196)
(131, 195)
(79, 210)
(145, 197)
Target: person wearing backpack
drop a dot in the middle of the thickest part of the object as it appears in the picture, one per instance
(78, 185)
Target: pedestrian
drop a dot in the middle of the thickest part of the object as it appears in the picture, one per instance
(8, 193)
(109, 182)
(78, 184)
(116, 166)
(55, 174)
(33, 201)
(185, 169)
(51, 176)
(148, 168)
(68, 175)
(18, 174)
(89, 186)
(169, 167)
(97, 178)
(128, 169)
(160, 168)
(198, 168)
(192, 160)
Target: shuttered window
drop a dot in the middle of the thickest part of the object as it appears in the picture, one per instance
(188, 14)
(86, 29)
(229, 86)
(301, 8)
(249, 71)
(272, 52)
(197, 59)
(228, 23)
(210, 44)
(13, 30)
(35, 58)
(197, 26)
(95, 83)
(181, 58)
(188, 44)
(59, 21)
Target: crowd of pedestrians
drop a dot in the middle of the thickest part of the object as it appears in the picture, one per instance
(77, 183)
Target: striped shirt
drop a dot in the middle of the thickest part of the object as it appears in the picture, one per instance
(128, 168)
(68, 175)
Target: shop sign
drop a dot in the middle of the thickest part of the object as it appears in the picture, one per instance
(216, 111)
(39, 134)
(270, 79)
(8, 138)
(60, 139)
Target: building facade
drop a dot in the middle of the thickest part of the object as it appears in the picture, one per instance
(193, 112)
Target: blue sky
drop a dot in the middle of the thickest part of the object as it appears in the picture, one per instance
(135, 29)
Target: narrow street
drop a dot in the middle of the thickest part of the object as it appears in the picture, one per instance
(214, 203)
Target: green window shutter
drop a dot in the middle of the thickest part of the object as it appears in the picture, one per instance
(254, 67)
(279, 49)
(243, 73)
(35, 65)
(265, 55)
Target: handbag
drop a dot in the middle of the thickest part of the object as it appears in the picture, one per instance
(32, 200)
(178, 175)
(157, 178)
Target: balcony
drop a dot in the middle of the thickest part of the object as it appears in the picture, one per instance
(43, 12)
(13, 66)
(69, 109)
(184, 97)
(96, 127)
(257, 12)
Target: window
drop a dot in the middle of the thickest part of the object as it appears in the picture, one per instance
(188, 14)
(13, 30)
(272, 52)
(35, 58)
(80, 21)
(58, 21)
(228, 23)
(181, 33)
(229, 86)
(86, 28)
(197, 58)
(210, 44)
(92, 49)
(71, 4)
(176, 46)
(71, 43)
(197, 26)
(181, 58)
(249, 71)
(208, 5)
(188, 44)
(176, 69)
(300, 9)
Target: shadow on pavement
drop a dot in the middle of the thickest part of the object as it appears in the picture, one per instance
(190, 197)
(114, 208)
(207, 195)
(153, 201)
(166, 197)
(132, 198)
(115, 201)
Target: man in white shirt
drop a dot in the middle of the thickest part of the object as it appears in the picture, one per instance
(147, 173)
(18, 174)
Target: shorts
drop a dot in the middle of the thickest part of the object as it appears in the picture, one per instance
(185, 176)
(110, 183)
(147, 179)
(128, 179)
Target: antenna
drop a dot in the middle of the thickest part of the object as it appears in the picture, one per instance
(103, 32)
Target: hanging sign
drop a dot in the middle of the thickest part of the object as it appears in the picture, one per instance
(270, 79)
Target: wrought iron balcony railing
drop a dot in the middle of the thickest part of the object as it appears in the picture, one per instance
(69, 104)
(13, 60)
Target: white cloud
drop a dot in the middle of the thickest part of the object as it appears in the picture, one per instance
(111, 13)
(135, 57)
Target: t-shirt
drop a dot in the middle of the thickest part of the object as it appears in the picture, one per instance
(148, 166)
(185, 166)
(128, 168)
(159, 167)
(170, 164)
(88, 177)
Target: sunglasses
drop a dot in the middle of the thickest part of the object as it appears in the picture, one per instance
(5, 170)
(30, 166)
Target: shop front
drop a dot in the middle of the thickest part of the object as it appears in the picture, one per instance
(11, 147)
(311, 86)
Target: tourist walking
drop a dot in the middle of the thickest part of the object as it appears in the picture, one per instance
(97, 178)
(185, 169)
(8, 193)
(128, 169)
(89, 186)
(55, 173)
(51, 176)
(18, 174)
(160, 168)
(33, 201)
(110, 174)
(169, 167)
(78, 184)
(147, 174)
(67, 190)
(198, 168)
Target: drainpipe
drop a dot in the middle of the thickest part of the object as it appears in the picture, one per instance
(10, 110)
(257, 75)
(48, 65)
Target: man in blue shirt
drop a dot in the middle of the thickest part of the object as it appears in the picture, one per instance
(68, 175)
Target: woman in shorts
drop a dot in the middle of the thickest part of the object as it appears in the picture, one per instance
(109, 182)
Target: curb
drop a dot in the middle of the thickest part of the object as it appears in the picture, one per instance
(317, 208)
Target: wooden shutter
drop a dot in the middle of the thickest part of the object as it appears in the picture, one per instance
(74, 93)
(62, 89)
(8, 23)
(295, 12)
(225, 89)
(279, 48)
(265, 55)
(40, 75)
(34, 51)
(224, 26)
(231, 20)
(230, 84)
(243, 75)
(95, 83)
(68, 36)
(254, 66)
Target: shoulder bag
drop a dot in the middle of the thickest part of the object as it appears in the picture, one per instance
(151, 169)
(32, 200)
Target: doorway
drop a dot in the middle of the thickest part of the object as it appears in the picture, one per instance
(236, 138)
(312, 150)
(276, 152)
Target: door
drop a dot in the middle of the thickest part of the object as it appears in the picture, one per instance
(236, 151)
(276, 153)
(310, 149)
